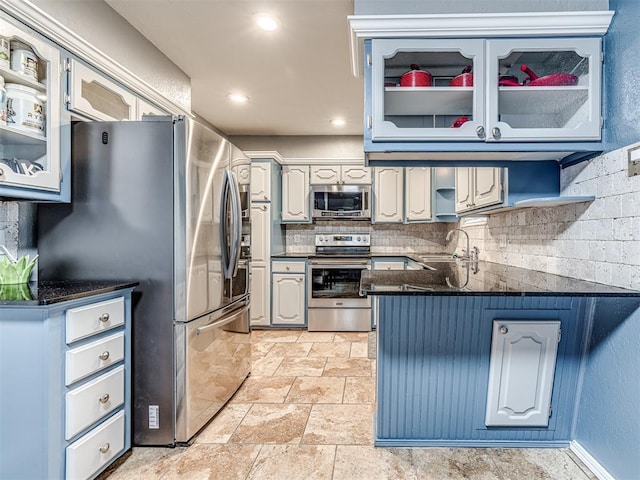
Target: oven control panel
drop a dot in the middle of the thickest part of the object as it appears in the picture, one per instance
(343, 240)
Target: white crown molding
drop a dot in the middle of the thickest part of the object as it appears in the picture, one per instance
(486, 25)
(43, 23)
(256, 154)
(590, 462)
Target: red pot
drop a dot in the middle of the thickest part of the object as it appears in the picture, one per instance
(458, 122)
(415, 78)
(508, 81)
(465, 79)
(554, 79)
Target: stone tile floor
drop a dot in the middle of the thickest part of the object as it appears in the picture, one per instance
(306, 412)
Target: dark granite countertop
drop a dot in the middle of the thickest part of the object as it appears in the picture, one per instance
(50, 292)
(457, 278)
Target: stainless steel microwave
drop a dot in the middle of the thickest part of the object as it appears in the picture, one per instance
(351, 202)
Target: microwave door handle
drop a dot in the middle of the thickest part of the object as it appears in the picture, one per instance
(224, 242)
(236, 216)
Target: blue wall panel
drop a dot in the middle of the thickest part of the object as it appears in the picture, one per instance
(608, 425)
(433, 368)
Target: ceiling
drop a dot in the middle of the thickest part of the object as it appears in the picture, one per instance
(297, 78)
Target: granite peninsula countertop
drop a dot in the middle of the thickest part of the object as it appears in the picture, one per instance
(50, 292)
(458, 278)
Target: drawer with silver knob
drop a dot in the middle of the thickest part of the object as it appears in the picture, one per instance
(93, 400)
(92, 451)
(280, 266)
(80, 362)
(91, 319)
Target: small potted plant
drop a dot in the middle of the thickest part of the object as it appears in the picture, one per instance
(15, 271)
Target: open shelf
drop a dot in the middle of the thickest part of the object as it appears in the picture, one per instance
(11, 76)
(12, 136)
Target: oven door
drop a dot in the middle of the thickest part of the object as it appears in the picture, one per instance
(336, 283)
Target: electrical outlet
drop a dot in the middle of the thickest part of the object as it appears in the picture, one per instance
(633, 154)
(503, 240)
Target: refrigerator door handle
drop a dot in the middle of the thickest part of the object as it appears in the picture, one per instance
(236, 212)
(224, 234)
(227, 318)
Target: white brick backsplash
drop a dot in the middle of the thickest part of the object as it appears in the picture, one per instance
(597, 241)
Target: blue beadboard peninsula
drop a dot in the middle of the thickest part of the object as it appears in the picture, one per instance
(488, 357)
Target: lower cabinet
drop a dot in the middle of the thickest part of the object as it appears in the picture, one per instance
(523, 361)
(66, 386)
(289, 293)
(260, 304)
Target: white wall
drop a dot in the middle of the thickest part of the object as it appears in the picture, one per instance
(597, 241)
(292, 147)
(100, 25)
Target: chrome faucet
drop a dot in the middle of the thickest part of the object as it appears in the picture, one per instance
(467, 252)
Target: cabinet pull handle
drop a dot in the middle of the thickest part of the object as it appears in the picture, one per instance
(104, 448)
(504, 330)
(265, 197)
(480, 131)
(104, 355)
(1, 172)
(496, 133)
(288, 267)
(104, 317)
(104, 398)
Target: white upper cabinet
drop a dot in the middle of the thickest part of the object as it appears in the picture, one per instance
(486, 90)
(478, 187)
(387, 197)
(295, 193)
(260, 182)
(96, 97)
(417, 194)
(340, 174)
(31, 164)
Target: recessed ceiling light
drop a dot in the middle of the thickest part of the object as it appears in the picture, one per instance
(238, 98)
(338, 122)
(266, 22)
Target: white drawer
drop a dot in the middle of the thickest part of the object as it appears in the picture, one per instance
(91, 452)
(287, 267)
(95, 318)
(391, 265)
(93, 357)
(93, 400)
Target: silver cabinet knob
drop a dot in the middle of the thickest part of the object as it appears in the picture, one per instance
(265, 197)
(1, 172)
(104, 398)
(496, 133)
(104, 317)
(288, 267)
(104, 448)
(104, 355)
(480, 131)
(504, 330)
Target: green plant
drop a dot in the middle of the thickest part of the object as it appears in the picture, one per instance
(16, 272)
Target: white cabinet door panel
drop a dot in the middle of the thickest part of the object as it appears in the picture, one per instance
(260, 228)
(417, 194)
(259, 296)
(295, 193)
(523, 359)
(288, 299)
(388, 196)
(325, 175)
(97, 97)
(487, 187)
(260, 182)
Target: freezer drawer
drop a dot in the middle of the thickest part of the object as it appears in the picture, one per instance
(213, 359)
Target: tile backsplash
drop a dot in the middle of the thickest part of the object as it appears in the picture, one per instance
(9, 216)
(597, 241)
(385, 239)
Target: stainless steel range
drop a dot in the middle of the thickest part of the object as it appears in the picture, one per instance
(334, 301)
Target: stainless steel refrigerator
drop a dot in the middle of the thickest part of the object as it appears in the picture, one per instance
(159, 201)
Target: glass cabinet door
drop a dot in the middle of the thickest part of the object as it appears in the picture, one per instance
(543, 89)
(30, 119)
(427, 89)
